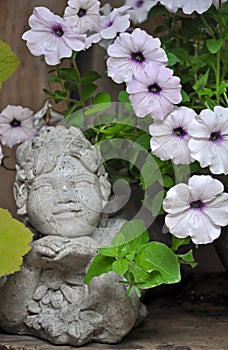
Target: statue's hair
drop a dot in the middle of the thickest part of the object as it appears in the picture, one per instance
(41, 155)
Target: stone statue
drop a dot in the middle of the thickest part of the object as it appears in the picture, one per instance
(61, 190)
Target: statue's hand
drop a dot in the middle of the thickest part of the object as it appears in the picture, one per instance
(50, 246)
(68, 252)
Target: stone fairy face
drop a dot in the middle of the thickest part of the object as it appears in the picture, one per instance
(66, 201)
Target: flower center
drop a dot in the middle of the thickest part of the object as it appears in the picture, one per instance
(154, 88)
(215, 136)
(81, 12)
(197, 204)
(179, 132)
(15, 123)
(58, 31)
(139, 3)
(138, 57)
(109, 24)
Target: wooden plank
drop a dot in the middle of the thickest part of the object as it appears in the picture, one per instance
(190, 316)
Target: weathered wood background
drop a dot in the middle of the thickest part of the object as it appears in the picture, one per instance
(25, 86)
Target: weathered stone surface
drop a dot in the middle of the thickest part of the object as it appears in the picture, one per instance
(61, 189)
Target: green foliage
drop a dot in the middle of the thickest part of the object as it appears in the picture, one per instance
(8, 62)
(142, 264)
(14, 243)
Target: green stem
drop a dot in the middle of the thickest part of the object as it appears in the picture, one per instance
(61, 82)
(78, 79)
(207, 26)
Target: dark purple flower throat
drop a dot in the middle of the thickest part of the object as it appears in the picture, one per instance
(216, 136)
(15, 123)
(138, 57)
(139, 3)
(197, 204)
(81, 12)
(179, 132)
(154, 88)
(58, 31)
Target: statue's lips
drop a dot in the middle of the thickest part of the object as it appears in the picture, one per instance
(65, 209)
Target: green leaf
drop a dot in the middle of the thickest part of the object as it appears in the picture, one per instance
(90, 77)
(102, 97)
(75, 119)
(157, 203)
(214, 45)
(185, 97)
(144, 141)
(120, 266)
(147, 280)
(68, 74)
(202, 81)
(8, 62)
(101, 102)
(118, 239)
(188, 258)
(156, 256)
(88, 91)
(173, 59)
(150, 172)
(123, 97)
(133, 230)
(14, 243)
(109, 251)
(181, 53)
(177, 242)
(166, 181)
(54, 79)
(99, 265)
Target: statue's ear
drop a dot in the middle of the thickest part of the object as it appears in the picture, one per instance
(21, 196)
(105, 187)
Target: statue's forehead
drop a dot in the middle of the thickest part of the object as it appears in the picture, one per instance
(58, 179)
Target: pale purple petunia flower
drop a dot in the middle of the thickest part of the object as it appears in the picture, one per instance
(170, 136)
(187, 6)
(117, 21)
(154, 90)
(16, 125)
(83, 15)
(197, 209)
(172, 5)
(140, 10)
(209, 139)
(51, 36)
(132, 52)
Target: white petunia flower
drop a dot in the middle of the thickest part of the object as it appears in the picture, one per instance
(140, 9)
(132, 52)
(197, 209)
(117, 21)
(187, 6)
(209, 139)
(51, 36)
(172, 5)
(170, 136)
(83, 15)
(154, 90)
(16, 125)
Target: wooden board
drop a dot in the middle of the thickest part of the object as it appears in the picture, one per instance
(190, 316)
